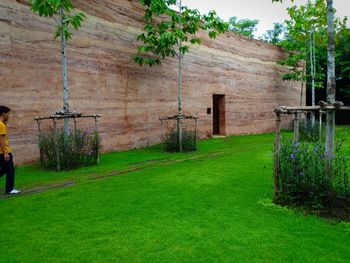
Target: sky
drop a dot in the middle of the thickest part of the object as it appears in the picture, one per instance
(264, 10)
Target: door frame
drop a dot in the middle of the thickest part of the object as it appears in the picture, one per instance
(219, 114)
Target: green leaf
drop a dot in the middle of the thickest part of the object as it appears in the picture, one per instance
(184, 50)
(52, 8)
(213, 34)
(165, 29)
(196, 41)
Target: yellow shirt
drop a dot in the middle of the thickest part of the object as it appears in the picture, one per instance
(3, 131)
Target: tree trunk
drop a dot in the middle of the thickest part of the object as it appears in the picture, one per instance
(312, 69)
(302, 85)
(330, 122)
(180, 100)
(179, 121)
(64, 73)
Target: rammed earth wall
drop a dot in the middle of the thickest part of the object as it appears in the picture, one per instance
(103, 80)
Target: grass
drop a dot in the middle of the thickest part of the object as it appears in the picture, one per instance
(209, 206)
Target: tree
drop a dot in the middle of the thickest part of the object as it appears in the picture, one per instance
(168, 33)
(305, 28)
(61, 12)
(245, 27)
(275, 35)
(331, 84)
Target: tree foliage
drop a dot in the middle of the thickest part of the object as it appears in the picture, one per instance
(303, 21)
(275, 35)
(343, 54)
(307, 23)
(245, 27)
(342, 59)
(166, 29)
(53, 8)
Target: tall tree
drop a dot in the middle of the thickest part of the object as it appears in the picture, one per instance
(61, 11)
(331, 85)
(169, 33)
(246, 27)
(305, 28)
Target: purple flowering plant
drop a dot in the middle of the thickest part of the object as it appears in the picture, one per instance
(306, 178)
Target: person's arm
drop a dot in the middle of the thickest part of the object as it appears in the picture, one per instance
(3, 148)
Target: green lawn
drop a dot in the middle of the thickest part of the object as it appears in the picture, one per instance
(149, 206)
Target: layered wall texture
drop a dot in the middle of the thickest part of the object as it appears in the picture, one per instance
(102, 78)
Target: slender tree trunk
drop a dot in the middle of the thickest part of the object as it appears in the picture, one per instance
(179, 121)
(314, 56)
(64, 73)
(180, 102)
(302, 85)
(180, 95)
(312, 67)
(331, 85)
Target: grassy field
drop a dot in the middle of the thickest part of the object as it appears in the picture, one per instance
(150, 206)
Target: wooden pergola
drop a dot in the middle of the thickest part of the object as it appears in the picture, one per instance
(60, 115)
(296, 111)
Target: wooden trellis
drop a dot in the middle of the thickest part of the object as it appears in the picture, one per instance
(296, 111)
(62, 116)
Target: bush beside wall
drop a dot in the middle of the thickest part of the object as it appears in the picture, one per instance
(76, 149)
(189, 141)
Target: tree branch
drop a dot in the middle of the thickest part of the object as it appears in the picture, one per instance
(57, 22)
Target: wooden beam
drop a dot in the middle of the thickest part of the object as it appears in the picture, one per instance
(178, 117)
(313, 108)
(66, 117)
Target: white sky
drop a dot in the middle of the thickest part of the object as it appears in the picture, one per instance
(264, 10)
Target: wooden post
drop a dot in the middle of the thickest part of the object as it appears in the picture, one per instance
(161, 134)
(296, 127)
(179, 130)
(276, 155)
(320, 125)
(58, 165)
(39, 126)
(96, 130)
(41, 151)
(195, 133)
(75, 124)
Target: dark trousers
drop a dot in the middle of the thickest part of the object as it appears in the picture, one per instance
(8, 169)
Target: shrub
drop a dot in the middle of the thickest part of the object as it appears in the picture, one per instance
(309, 180)
(76, 149)
(309, 132)
(189, 141)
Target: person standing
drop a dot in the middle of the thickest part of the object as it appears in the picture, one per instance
(6, 157)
